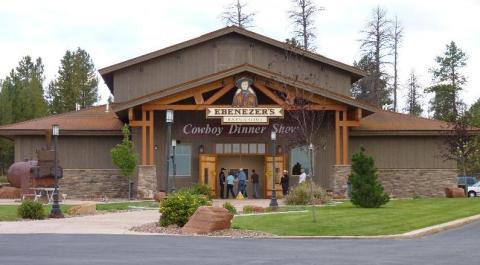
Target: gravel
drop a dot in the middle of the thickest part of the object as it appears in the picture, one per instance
(175, 230)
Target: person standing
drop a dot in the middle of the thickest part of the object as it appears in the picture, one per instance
(284, 181)
(255, 181)
(221, 179)
(230, 181)
(302, 177)
(242, 183)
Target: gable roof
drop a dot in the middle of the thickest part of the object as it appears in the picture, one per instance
(107, 72)
(92, 120)
(241, 69)
(385, 122)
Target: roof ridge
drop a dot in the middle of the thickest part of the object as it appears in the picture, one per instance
(50, 116)
(413, 116)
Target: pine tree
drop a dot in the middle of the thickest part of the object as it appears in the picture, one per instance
(376, 46)
(397, 38)
(449, 80)
(76, 83)
(414, 106)
(363, 89)
(473, 114)
(302, 16)
(367, 191)
(236, 15)
(125, 158)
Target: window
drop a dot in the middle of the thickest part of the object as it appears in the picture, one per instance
(299, 158)
(183, 160)
(244, 149)
(261, 148)
(240, 148)
(219, 148)
(236, 148)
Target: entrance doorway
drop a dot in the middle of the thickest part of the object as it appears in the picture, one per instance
(248, 163)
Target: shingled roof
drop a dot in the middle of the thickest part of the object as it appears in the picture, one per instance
(92, 120)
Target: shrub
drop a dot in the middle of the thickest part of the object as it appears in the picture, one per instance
(179, 206)
(307, 193)
(367, 191)
(247, 209)
(31, 210)
(230, 208)
(198, 189)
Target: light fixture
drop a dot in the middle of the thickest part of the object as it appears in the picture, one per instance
(55, 130)
(273, 135)
(201, 149)
(169, 116)
(310, 147)
(174, 143)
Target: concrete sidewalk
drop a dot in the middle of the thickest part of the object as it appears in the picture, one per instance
(108, 223)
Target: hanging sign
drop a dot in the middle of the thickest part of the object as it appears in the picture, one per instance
(258, 115)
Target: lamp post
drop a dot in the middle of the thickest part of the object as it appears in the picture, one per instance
(273, 201)
(168, 121)
(174, 165)
(56, 211)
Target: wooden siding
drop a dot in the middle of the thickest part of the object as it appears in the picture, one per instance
(75, 152)
(220, 54)
(416, 152)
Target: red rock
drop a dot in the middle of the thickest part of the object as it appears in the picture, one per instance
(207, 219)
(159, 196)
(10, 193)
(454, 192)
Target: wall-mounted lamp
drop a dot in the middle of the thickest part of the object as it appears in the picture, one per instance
(201, 149)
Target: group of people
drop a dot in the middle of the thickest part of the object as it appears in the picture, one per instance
(241, 177)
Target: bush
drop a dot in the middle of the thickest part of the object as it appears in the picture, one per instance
(230, 208)
(307, 193)
(367, 191)
(247, 209)
(177, 208)
(198, 189)
(31, 210)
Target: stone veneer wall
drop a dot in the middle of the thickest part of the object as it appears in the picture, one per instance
(340, 179)
(146, 181)
(93, 184)
(403, 183)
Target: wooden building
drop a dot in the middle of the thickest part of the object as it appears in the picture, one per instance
(228, 90)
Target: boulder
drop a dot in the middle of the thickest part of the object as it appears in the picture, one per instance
(10, 193)
(83, 209)
(207, 219)
(159, 196)
(454, 192)
(254, 209)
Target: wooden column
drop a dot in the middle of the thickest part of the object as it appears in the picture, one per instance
(337, 137)
(345, 140)
(151, 142)
(144, 137)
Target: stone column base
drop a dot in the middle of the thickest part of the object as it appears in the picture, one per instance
(146, 181)
(340, 175)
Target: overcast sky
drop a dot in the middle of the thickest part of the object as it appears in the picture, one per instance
(114, 31)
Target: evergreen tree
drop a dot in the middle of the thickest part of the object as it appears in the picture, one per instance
(76, 83)
(397, 38)
(376, 46)
(414, 106)
(303, 19)
(449, 80)
(367, 191)
(473, 114)
(236, 15)
(363, 89)
(125, 158)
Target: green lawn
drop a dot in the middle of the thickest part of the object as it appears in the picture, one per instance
(120, 206)
(396, 217)
(3, 179)
(9, 212)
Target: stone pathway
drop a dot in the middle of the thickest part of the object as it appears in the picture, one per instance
(109, 223)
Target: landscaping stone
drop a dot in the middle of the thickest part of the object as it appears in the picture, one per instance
(255, 208)
(207, 219)
(83, 209)
(10, 193)
(159, 196)
(454, 192)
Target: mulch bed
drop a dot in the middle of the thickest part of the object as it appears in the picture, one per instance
(175, 230)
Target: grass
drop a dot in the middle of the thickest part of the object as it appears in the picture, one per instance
(121, 206)
(9, 212)
(398, 216)
(3, 179)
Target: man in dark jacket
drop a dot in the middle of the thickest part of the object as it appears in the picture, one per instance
(255, 181)
(221, 179)
(284, 181)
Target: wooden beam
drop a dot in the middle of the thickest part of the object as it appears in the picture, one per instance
(200, 107)
(198, 98)
(359, 114)
(269, 93)
(136, 123)
(345, 140)
(151, 142)
(337, 137)
(219, 93)
(144, 138)
(190, 92)
(130, 114)
(350, 123)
